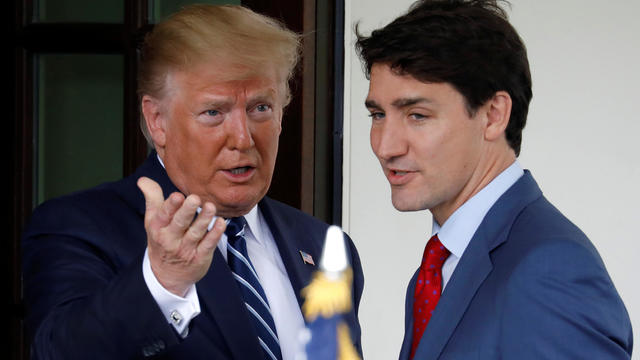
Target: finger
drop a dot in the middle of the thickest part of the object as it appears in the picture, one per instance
(168, 210)
(184, 216)
(153, 196)
(198, 229)
(210, 241)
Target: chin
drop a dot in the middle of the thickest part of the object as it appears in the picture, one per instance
(233, 211)
(402, 205)
(408, 203)
(234, 206)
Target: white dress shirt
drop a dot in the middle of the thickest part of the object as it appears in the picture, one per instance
(265, 257)
(457, 231)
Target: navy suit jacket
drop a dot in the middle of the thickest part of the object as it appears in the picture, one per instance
(86, 297)
(530, 285)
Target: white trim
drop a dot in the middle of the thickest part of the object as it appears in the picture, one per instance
(244, 282)
(266, 348)
(264, 323)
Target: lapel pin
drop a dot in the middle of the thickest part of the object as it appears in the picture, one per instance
(306, 258)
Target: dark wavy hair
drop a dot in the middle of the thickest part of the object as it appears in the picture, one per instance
(468, 44)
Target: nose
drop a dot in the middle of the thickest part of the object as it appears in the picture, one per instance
(388, 139)
(239, 131)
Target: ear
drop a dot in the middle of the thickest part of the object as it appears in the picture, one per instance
(498, 110)
(154, 117)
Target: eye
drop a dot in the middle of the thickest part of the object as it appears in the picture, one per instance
(419, 116)
(376, 115)
(261, 112)
(263, 107)
(211, 117)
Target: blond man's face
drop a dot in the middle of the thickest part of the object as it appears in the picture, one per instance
(220, 136)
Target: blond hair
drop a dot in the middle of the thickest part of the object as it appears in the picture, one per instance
(240, 40)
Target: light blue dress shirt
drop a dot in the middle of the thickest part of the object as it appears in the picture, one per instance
(457, 231)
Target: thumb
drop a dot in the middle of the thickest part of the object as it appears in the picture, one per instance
(152, 195)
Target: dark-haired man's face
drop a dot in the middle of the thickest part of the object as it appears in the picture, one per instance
(428, 145)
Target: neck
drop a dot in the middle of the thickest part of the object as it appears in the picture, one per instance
(487, 170)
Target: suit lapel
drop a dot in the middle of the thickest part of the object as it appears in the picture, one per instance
(405, 350)
(152, 169)
(473, 268)
(291, 239)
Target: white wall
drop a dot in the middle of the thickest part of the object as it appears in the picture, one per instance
(581, 143)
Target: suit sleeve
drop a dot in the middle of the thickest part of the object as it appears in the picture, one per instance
(561, 304)
(83, 300)
(358, 286)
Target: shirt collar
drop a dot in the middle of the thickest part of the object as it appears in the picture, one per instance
(456, 233)
(160, 160)
(253, 223)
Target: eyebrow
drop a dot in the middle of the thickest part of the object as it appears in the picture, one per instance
(371, 104)
(266, 95)
(404, 102)
(222, 101)
(226, 101)
(399, 103)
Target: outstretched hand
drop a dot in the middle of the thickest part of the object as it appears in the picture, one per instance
(180, 249)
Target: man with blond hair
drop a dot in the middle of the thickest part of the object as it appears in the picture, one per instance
(186, 258)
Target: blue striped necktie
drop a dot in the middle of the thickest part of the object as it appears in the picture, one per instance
(253, 294)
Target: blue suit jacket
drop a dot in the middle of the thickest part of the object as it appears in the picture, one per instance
(86, 297)
(530, 285)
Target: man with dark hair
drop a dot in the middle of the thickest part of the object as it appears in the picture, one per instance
(505, 275)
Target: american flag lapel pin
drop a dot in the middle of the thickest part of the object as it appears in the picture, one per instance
(306, 258)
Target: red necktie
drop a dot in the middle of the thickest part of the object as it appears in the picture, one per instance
(428, 288)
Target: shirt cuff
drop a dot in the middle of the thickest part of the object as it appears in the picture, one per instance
(179, 311)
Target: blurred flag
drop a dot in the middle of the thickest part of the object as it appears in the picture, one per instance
(327, 300)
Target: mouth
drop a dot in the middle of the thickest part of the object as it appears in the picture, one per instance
(240, 173)
(240, 170)
(399, 172)
(399, 177)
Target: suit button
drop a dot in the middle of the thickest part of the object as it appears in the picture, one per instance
(160, 345)
(147, 351)
(153, 348)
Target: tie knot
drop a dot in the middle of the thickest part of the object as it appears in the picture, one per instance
(235, 227)
(435, 254)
